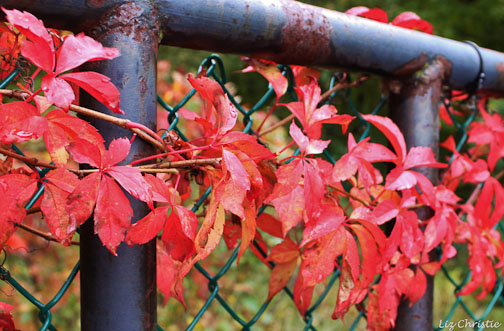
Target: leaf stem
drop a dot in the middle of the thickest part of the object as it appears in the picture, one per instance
(41, 234)
(353, 197)
(29, 160)
(323, 98)
(124, 123)
(183, 164)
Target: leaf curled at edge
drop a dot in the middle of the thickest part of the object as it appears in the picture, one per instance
(270, 71)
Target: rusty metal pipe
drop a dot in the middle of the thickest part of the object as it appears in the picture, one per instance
(119, 292)
(414, 107)
(289, 32)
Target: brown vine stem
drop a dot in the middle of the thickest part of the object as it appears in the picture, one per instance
(84, 172)
(123, 123)
(215, 162)
(351, 196)
(41, 234)
(29, 160)
(161, 168)
(323, 98)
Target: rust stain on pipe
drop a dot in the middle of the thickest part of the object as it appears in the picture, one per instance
(301, 23)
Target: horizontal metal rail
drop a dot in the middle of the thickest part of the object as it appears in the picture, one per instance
(287, 32)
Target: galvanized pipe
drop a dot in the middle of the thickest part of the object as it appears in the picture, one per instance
(289, 32)
(119, 292)
(414, 107)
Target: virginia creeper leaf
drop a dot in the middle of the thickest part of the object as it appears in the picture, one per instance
(81, 201)
(271, 72)
(112, 214)
(60, 183)
(80, 49)
(97, 85)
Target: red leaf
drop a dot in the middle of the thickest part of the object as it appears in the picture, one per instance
(370, 257)
(56, 139)
(247, 144)
(370, 152)
(288, 178)
(330, 219)
(285, 255)
(385, 211)
(236, 169)
(418, 288)
(60, 183)
(378, 319)
(412, 238)
(290, 208)
(302, 294)
(231, 196)
(375, 14)
(399, 179)
(410, 20)
(99, 86)
(64, 128)
(6, 321)
(232, 233)
(284, 252)
(314, 190)
(20, 121)
(166, 271)
(421, 157)
(57, 91)
(309, 115)
(271, 72)
(179, 233)
(303, 75)
(211, 91)
(306, 145)
(270, 225)
(248, 228)
(160, 190)
(280, 276)
(392, 132)
(148, 227)
(41, 48)
(118, 150)
(81, 201)
(359, 157)
(483, 208)
(232, 189)
(319, 258)
(83, 151)
(15, 190)
(132, 181)
(211, 230)
(79, 49)
(112, 215)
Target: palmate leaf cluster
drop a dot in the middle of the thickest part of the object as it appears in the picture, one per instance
(324, 215)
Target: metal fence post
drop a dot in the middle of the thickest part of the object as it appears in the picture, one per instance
(119, 293)
(414, 107)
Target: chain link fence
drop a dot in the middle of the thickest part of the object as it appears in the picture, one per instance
(456, 275)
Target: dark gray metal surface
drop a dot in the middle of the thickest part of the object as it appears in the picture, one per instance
(288, 32)
(119, 293)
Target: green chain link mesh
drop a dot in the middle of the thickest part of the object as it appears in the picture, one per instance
(215, 69)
